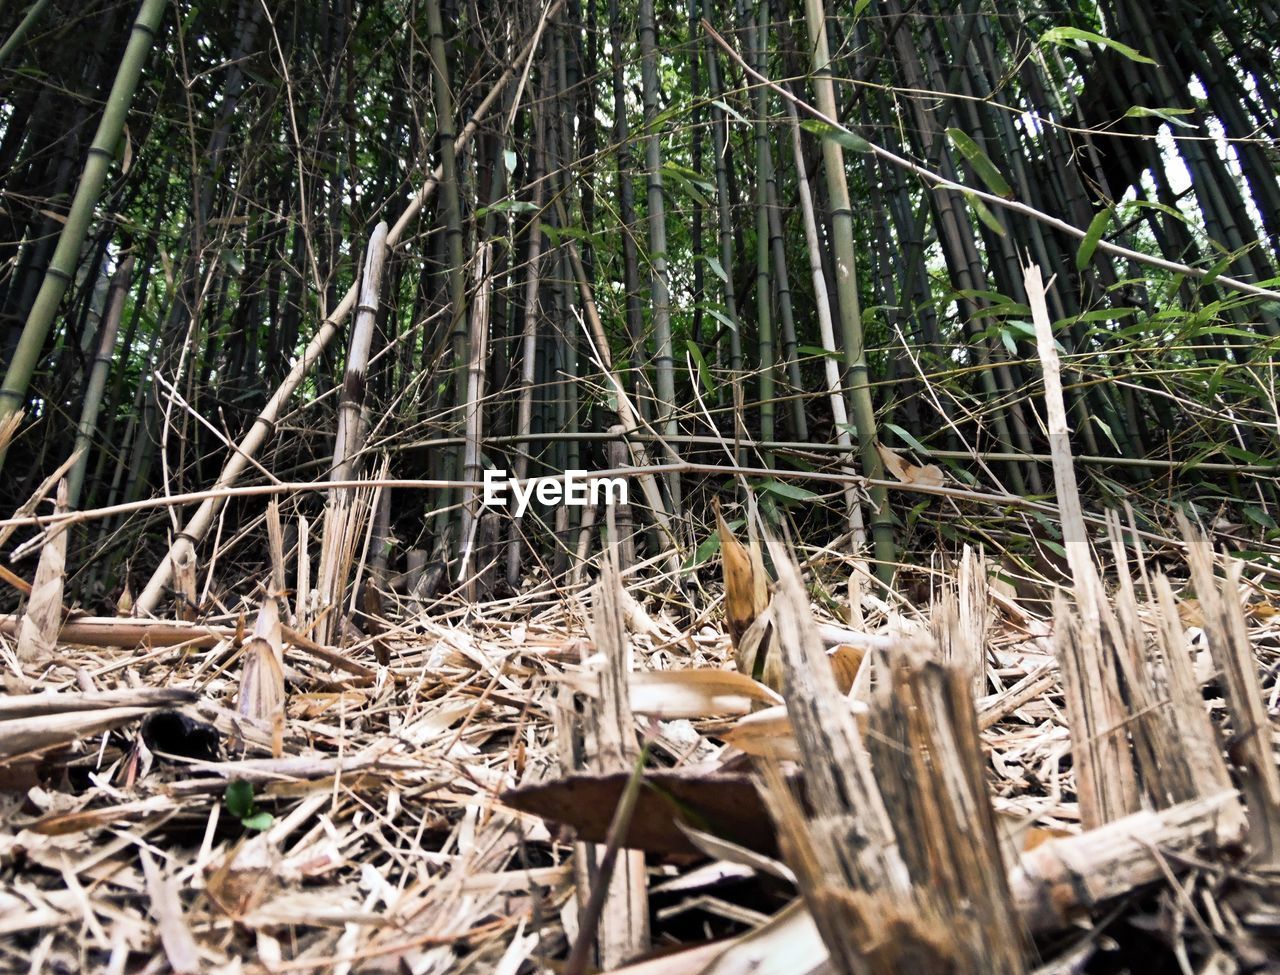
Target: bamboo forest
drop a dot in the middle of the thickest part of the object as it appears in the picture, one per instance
(639, 487)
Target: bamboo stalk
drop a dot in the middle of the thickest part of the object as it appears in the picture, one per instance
(864, 419)
(98, 378)
(62, 266)
(263, 426)
(352, 425)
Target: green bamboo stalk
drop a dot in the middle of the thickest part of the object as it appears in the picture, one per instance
(758, 38)
(62, 266)
(20, 32)
(450, 200)
(98, 377)
(719, 142)
(864, 419)
(663, 358)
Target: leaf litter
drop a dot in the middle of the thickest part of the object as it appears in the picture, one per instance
(206, 796)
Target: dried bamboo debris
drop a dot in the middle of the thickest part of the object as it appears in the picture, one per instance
(844, 854)
(1061, 881)
(1085, 643)
(38, 630)
(925, 747)
(606, 730)
(1250, 747)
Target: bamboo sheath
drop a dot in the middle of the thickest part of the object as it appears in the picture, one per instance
(264, 426)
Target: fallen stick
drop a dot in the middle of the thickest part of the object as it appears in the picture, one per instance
(1060, 880)
(111, 631)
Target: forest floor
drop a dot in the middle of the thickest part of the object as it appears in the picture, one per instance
(152, 823)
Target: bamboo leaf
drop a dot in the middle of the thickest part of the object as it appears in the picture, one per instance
(1071, 36)
(854, 143)
(906, 438)
(980, 210)
(704, 374)
(717, 267)
(1167, 114)
(981, 163)
(1097, 227)
(789, 491)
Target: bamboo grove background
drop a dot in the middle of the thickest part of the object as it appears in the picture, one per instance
(599, 219)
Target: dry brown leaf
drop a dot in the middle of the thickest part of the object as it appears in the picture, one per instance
(38, 632)
(930, 475)
(672, 694)
(767, 733)
(754, 643)
(746, 588)
(726, 804)
(846, 660)
(1190, 613)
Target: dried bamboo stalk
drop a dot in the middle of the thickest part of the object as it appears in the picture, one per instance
(1250, 747)
(609, 745)
(929, 762)
(474, 417)
(350, 437)
(1106, 780)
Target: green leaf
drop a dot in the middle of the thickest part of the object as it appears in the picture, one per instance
(907, 439)
(788, 491)
(1167, 114)
(854, 143)
(704, 374)
(509, 158)
(258, 821)
(729, 110)
(1010, 343)
(717, 267)
(980, 210)
(860, 6)
(239, 798)
(818, 351)
(981, 163)
(723, 319)
(1054, 547)
(1259, 516)
(1068, 36)
(1106, 428)
(1097, 227)
(709, 547)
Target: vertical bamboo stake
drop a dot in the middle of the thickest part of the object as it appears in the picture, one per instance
(1106, 781)
(62, 266)
(719, 141)
(825, 328)
(474, 415)
(98, 377)
(528, 343)
(450, 201)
